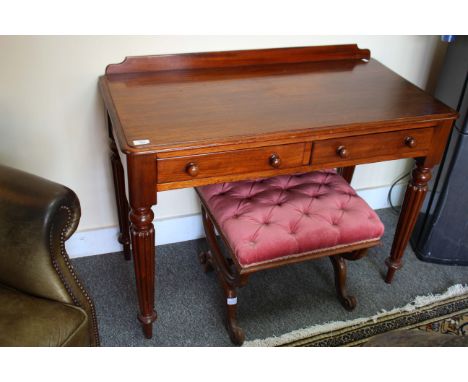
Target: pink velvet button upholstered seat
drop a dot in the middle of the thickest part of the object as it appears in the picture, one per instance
(285, 216)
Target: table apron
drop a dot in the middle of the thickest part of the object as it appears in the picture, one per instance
(244, 164)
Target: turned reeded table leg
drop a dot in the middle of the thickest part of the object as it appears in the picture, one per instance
(412, 203)
(142, 232)
(142, 192)
(347, 173)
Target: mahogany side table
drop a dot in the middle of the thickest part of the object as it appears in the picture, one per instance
(188, 120)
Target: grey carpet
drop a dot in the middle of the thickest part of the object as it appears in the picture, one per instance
(190, 303)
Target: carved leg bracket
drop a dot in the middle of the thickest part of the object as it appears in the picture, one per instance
(355, 255)
(206, 260)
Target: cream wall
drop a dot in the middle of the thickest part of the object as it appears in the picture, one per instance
(52, 118)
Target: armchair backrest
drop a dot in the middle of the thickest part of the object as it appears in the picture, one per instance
(37, 216)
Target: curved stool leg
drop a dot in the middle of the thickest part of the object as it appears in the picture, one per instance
(235, 331)
(339, 266)
(214, 259)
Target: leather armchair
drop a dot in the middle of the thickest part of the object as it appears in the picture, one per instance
(42, 301)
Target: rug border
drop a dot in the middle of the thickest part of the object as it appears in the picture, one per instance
(420, 311)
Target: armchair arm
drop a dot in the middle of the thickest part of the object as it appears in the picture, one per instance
(37, 216)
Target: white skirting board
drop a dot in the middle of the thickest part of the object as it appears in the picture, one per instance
(183, 228)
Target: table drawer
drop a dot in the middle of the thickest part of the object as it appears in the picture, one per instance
(382, 146)
(233, 162)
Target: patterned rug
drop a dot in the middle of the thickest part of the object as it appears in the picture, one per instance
(445, 313)
(455, 325)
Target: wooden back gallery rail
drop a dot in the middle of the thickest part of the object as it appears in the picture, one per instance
(187, 120)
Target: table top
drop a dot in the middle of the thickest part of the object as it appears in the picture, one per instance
(200, 104)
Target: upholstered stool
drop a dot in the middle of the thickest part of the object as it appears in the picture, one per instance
(282, 220)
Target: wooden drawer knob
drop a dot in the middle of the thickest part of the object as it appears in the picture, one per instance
(342, 152)
(192, 169)
(275, 161)
(410, 142)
